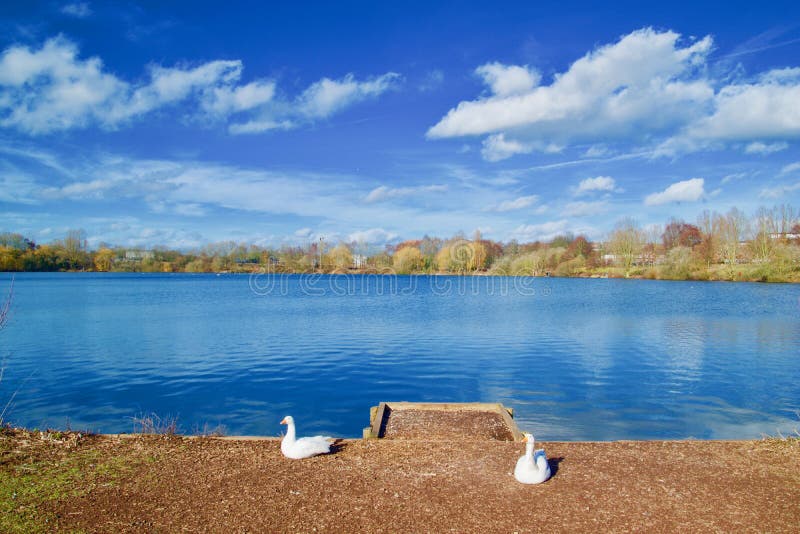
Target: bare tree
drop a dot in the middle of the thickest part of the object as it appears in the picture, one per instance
(626, 242)
(732, 230)
(764, 232)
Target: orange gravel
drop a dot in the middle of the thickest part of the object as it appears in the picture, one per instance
(230, 485)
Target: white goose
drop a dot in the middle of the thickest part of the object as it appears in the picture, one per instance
(532, 467)
(295, 448)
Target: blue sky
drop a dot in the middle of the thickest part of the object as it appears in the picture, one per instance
(180, 124)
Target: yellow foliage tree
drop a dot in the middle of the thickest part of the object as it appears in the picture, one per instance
(443, 259)
(103, 259)
(407, 260)
(340, 257)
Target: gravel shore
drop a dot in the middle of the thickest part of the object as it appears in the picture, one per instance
(173, 484)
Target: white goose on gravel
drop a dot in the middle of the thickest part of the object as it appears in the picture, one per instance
(299, 448)
(532, 467)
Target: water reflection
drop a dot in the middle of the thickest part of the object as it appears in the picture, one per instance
(576, 359)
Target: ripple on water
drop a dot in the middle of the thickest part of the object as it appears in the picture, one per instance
(576, 359)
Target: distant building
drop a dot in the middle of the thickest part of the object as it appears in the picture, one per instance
(359, 261)
(138, 255)
(784, 235)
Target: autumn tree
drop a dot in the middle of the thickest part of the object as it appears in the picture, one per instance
(340, 257)
(706, 250)
(680, 234)
(407, 260)
(103, 259)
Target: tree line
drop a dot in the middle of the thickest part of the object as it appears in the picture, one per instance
(726, 246)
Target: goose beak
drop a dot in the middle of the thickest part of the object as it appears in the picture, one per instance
(524, 439)
(284, 421)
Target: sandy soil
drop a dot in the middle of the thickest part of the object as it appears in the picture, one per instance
(228, 485)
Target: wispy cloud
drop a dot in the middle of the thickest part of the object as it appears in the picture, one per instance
(791, 167)
(383, 192)
(542, 231)
(515, 204)
(432, 81)
(79, 10)
(779, 191)
(757, 147)
(585, 209)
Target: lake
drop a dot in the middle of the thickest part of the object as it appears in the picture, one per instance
(577, 359)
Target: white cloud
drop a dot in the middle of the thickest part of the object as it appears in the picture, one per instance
(507, 80)
(540, 232)
(600, 183)
(259, 126)
(226, 100)
(80, 10)
(790, 168)
(757, 147)
(303, 233)
(684, 191)
(585, 209)
(373, 235)
(766, 108)
(642, 80)
(596, 151)
(184, 209)
(732, 177)
(648, 87)
(53, 89)
(779, 191)
(516, 204)
(383, 192)
(496, 147)
(325, 97)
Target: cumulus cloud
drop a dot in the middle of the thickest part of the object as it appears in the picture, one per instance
(507, 80)
(684, 191)
(650, 86)
(600, 183)
(383, 192)
(757, 147)
(53, 89)
(516, 204)
(642, 80)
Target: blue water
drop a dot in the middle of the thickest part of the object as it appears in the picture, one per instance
(577, 359)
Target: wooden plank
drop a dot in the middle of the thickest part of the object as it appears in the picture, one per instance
(377, 421)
